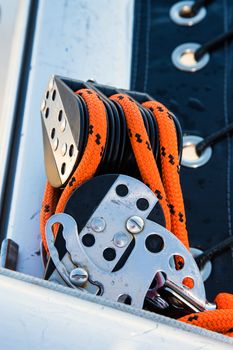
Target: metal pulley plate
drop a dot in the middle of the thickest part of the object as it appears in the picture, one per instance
(111, 230)
(62, 113)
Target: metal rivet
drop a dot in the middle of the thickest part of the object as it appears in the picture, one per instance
(207, 268)
(98, 224)
(55, 144)
(64, 149)
(51, 84)
(120, 239)
(43, 105)
(183, 58)
(190, 158)
(185, 6)
(63, 124)
(79, 276)
(135, 224)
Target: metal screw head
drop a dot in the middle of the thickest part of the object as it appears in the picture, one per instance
(43, 105)
(120, 239)
(98, 224)
(135, 224)
(78, 276)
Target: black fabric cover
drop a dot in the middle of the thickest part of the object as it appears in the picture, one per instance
(203, 103)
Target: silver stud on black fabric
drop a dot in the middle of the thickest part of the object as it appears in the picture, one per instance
(183, 58)
(181, 14)
(190, 158)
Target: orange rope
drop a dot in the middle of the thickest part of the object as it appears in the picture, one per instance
(170, 169)
(166, 186)
(143, 152)
(220, 320)
(88, 164)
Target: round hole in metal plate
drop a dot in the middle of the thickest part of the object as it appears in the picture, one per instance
(47, 94)
(63, 168)
(181, 14)
(47, 113)
(190, 158)
(142, 204)
(176, 262)
(54, 95)
(53, 132)
(109, 254)
(122, 190)
(60, 115)
(71, 150)
(188, 282)
(183, 58)
(125, 299)
(88, 240)
(154, 243)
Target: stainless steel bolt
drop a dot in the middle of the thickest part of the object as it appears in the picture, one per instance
(78, 276)
(135, 224)
(120, 239)
(98, 224)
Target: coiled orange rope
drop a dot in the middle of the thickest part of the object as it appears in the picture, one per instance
(166, 186)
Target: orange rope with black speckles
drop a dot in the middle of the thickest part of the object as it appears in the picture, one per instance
(166, 186)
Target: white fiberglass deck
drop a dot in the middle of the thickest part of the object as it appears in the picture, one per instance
(78, 39)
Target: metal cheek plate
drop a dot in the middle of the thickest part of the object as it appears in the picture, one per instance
(60, 116)
(115, 211)
(134, 278)
(176, 14)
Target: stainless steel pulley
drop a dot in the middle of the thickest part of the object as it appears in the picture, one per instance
(112, 242)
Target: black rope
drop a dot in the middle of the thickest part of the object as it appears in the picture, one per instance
(198, 4)
(192, 11)
(213, 138)
(211, 253)
(213, 44)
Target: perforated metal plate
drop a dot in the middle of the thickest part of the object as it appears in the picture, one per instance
(61, 112)
(129, 271)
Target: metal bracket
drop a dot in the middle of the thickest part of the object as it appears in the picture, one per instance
(152, 256)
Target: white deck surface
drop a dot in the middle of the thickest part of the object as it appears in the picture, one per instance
(78, 39)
